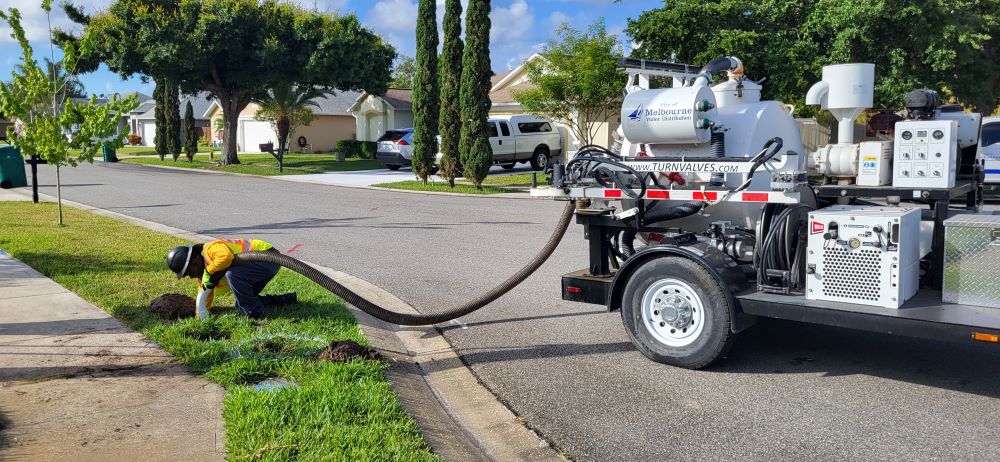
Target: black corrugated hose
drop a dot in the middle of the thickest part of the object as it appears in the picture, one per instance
(407, 319)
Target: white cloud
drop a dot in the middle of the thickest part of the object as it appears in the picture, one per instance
(35, 22)
(396, 20)
(511, 23)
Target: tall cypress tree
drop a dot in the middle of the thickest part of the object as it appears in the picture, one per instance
(425, 91)
(172, 114)
(477, 157)
(190, 132)
(160, 137)
(450, 119)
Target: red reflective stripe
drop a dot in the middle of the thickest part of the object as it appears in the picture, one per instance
(612, 193)
(710, 196)
(573, 290)
(755, 197)
(654, 194)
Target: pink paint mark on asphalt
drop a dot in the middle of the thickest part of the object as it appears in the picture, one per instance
(296, 247)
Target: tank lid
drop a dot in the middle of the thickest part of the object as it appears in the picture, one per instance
(730, 85)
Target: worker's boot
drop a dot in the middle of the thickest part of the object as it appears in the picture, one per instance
(279, 300)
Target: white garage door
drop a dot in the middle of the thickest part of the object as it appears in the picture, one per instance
(253, 133)
(148, 134)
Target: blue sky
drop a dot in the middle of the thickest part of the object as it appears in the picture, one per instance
(519, 28)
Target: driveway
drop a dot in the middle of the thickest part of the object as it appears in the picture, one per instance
(786, 391)
(373, 177)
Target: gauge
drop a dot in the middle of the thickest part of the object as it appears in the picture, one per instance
(907, 135)
(938, 134)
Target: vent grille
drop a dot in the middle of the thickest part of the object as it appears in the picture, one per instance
(853, 275)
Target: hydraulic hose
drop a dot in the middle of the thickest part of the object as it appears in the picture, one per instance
(407, 319)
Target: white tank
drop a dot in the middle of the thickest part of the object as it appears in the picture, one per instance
(670, 115)
(729, 93)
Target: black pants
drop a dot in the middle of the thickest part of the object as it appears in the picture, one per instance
(247, 281)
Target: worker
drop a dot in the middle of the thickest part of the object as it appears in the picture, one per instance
(210, 264)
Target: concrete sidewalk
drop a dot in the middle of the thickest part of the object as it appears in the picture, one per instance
(75, 384)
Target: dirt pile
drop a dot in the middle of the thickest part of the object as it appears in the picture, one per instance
(345, 350)
(172, 306)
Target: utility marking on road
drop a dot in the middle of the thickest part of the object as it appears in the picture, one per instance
(373, 209)
(294, 248)
(459, 323)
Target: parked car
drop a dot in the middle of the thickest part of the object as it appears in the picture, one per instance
(522, 138)
(395, 148)
(990, 142)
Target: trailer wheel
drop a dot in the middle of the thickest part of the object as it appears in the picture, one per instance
(676, 313)
(540, 159)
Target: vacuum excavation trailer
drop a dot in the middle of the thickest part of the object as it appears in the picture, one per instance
(707, 213)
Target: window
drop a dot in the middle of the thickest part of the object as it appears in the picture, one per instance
(491, 128)
(504, 129)
(991, 134)
(534, 127)
(393, 135)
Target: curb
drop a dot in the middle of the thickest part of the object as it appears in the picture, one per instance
(476, 412)
(518, 196)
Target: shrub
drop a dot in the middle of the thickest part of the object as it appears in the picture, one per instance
(368, 149)
(134, 139)
(350, 148)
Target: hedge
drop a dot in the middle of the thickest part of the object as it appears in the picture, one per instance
(355, 148)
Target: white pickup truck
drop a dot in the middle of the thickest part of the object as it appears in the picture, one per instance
(523, 138)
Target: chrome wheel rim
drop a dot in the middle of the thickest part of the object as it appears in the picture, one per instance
(672, 312)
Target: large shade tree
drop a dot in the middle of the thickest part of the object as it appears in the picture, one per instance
(234, 49)
(953, 46)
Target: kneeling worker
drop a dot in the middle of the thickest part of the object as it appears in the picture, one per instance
(210, 265)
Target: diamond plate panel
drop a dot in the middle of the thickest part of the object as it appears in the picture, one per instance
(972, 260)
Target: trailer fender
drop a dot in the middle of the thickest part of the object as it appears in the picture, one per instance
(730, 276)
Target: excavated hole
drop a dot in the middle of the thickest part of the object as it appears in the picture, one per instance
(345, 350)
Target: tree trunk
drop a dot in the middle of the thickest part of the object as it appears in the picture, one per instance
(284, 126)
(59, 195)
(232, 105)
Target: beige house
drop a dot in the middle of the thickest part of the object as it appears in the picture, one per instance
(333, 122)
(507, 84)
(375, 114)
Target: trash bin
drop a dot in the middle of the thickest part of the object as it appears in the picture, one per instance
(109, 153)
(12, 168)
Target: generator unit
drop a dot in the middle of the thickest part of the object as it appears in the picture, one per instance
(863, 255)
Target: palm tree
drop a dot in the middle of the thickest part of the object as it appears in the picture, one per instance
(287, 106)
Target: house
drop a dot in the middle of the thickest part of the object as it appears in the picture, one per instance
(332, 122)
(375, 114)
(506, 85)
(142, 119)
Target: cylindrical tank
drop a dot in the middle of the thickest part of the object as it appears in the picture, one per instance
(729, 93)
(671, 115)
(851, 85)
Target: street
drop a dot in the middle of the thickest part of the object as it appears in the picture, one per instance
(786, 391)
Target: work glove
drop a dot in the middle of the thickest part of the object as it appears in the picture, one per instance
(210, 282)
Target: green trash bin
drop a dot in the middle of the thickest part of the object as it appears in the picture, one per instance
(12, 168)
(109, 153)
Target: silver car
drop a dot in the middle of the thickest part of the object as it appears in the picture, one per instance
(395, 148)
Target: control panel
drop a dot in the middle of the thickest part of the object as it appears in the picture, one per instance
(925, 154)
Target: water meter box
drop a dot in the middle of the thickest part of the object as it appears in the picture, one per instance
(972, 260)
(863, 255)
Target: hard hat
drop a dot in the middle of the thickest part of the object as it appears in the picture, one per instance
(179, 258)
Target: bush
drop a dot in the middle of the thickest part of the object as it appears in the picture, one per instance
(350, 148)
(204, 141)
(368, 149)
(134, 139)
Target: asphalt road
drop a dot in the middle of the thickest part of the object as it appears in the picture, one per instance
(787, 390)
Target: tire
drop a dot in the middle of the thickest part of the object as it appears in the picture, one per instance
(696, 300)
(509, 166)
(540, 158)
(393, 167)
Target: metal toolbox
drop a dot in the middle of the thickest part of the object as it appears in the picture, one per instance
(972, 260)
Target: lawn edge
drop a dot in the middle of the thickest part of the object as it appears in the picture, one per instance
(290, 178)
(483, 419)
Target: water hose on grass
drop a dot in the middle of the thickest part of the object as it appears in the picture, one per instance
(407, 319)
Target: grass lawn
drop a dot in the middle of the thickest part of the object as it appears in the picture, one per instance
(519, 179)
(267, 165)
(335, 411)
(441, 186)
(144, 150)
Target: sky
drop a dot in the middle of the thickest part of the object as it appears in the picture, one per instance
(520, 28)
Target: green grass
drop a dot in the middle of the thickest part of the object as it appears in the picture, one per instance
(267, 165)
(414, 185)
(520, 179)
(144, 150)
(335, 412)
